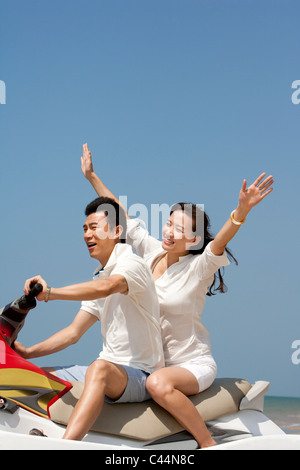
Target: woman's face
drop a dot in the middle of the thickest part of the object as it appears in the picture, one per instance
(178, 234)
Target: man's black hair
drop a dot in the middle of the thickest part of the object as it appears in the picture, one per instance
(114, 213)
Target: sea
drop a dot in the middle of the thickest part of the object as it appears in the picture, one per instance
(285, 412)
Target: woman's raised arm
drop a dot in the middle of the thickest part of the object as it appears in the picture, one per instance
(98, 185)
(248, 198)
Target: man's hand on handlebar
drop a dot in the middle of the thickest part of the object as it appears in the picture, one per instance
(29, 283)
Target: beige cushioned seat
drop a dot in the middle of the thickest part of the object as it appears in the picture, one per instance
(147, 421)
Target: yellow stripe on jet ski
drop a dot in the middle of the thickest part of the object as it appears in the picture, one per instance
(27, 378)
(28, 389)
(9, 394)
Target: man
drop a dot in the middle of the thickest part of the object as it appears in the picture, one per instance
(122, 295)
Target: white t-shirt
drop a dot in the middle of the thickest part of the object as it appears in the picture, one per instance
(181, 293)
(129, 322)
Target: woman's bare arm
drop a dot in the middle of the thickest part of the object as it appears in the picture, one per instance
(248, 198)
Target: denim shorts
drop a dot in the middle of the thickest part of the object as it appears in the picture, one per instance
(136, 386)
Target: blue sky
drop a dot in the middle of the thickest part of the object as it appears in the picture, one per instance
(178, 100)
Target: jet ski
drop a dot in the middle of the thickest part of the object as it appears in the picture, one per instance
(35, 407)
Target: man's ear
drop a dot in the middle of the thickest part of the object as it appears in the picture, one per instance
(118, 232)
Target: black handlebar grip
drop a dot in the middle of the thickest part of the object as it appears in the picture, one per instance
(35, 290)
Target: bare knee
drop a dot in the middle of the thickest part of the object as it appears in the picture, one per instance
(158, 387)
(98, 371)
(108, 377)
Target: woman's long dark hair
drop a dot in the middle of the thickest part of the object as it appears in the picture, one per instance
(201, 226)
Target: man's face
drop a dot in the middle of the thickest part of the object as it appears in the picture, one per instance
(97, 235)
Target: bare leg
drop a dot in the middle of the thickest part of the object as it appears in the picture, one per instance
(169, 387)
(102, 378)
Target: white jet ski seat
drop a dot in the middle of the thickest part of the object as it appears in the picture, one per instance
(147, 421)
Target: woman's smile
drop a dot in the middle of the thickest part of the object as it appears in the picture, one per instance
(168, 241)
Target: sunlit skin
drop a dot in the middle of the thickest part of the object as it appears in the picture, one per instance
(100, 240)
(98, 237)
(177, 240)
(178, 236)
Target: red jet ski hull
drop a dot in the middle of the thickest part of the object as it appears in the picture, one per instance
(26, 384)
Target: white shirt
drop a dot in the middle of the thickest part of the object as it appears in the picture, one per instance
(129, 322)
(181, 293)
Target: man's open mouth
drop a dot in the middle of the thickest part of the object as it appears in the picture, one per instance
(91, 245)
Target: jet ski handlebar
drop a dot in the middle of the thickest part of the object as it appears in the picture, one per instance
(12, 316)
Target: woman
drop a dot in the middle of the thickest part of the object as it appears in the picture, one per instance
(186, 267)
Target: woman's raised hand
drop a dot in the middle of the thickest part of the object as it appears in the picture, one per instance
(86, 162)
(249, 197)
(254, 194)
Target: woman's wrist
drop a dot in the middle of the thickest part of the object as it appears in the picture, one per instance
(240, 214)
